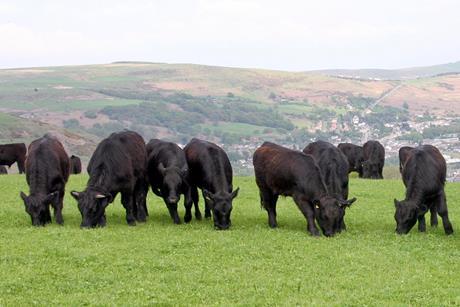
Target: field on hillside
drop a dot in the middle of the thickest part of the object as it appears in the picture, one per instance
(214, 102)
(159, 262)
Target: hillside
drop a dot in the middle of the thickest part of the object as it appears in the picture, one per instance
(226, 105)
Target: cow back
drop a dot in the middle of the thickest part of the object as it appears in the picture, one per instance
(47, 165)
(118, 160)
(424, 173)
(286, 171)
(334, 166)
(209, 166)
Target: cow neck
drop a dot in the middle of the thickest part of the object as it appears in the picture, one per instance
(37, 180)
(414, 195)
(99, 180)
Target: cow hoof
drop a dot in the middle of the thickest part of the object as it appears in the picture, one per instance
(132, 223)
(177, 222)
(449, 231)
(187, 218)
(198, 216)
(274, 225)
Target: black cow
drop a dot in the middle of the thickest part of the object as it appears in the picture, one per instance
(355, 157)
(167, 172)
(282, 171)
(3, 170)
(424, 175)
(374, 160)
(118, 165)
(47, 170)
(334, 168)
(75, 165)
(211, 171)
(403, 155)
(11, 153)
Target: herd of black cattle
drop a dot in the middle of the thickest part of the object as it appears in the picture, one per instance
(316, 179)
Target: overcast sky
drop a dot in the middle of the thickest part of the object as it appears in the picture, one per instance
(283, 34)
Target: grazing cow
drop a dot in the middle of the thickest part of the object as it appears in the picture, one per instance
(424, 175)
(11, 153)
(282, 171)
(47, 170)
(355, 156)
(167, 172)
(403, 155)
(75, 165)
(374, 159)
(3, 170)
(211, 171)
(118, 165)
(334, 168)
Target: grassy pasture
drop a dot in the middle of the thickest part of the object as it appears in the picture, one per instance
(159, 262)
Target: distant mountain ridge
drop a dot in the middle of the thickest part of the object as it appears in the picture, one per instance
(394, 74)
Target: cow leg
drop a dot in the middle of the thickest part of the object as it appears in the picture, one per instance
(268, 201)
(434, 216)
(207, 208)
(188, 202)
(140, 203)
(102, 221)
(127, 201)
(172, 208)
(47, 217)
(342, 225)
(21, 167)
(195, 199)
(307, 210)
(421, 223)
(441, 206)
(57, 206)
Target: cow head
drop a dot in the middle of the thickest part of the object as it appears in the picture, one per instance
(37, 206)
(329, 213)
(172, 183)
(92, 206)
(406, 215)
(220, 204)
(371, 170)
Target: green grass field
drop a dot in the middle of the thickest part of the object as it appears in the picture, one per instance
(159, 262)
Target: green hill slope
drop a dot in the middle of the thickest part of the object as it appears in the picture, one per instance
(226, 105)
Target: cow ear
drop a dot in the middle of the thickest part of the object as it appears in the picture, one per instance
(104, 199)
(208, 196)
(156, 192)
(347, 203)
(23, 196)
(105, 202)
(75, 195)
(235, 192)
(161, 169)
(51, 196)
(422, 209)
(316, 203)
